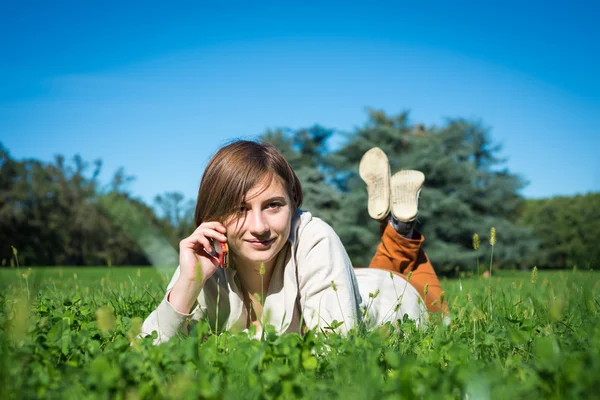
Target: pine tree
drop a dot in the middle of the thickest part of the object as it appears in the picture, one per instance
(466, 190)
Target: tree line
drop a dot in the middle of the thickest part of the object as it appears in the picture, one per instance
(568, 229)
(58, 213)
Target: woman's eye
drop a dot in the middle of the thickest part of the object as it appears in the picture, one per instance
(274, 205)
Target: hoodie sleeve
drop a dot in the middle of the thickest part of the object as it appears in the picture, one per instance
(167, 321)
(328, 287)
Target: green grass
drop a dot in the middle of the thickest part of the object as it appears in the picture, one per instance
(73, 336)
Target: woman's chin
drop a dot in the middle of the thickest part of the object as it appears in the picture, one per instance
(265, 257)
(257, 256)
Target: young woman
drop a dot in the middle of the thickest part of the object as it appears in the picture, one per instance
(287, 268)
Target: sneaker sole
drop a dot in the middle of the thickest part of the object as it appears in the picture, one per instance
(406, 187)
(374, 169)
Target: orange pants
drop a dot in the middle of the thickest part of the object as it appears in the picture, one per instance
(401, 256)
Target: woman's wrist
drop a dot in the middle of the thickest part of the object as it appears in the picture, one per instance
(184, 294)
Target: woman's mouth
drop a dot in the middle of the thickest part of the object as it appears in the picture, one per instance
(261, 244)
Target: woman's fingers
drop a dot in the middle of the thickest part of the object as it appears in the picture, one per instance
(209, 240)
(214, 225)
(201, 250)
(203, 245)
(192, 242)
(210, 229)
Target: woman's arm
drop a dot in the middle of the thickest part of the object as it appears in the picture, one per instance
(327, 283)
(167, 320)
(196, 265)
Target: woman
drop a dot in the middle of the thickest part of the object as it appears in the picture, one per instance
(286, 267)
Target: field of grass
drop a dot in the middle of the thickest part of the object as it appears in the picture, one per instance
(71, 333)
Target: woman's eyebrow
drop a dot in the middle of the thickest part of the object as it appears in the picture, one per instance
(269, 200)
(277, 198)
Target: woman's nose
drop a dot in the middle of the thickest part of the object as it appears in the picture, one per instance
(258, 223)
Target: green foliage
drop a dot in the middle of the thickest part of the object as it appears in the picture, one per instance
(135, 221)
(467, 191)
(47, 213)
(58, 214)
(568, 229)
(177, 220)
(509, 336)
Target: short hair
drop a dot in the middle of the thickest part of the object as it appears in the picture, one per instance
(233, 171)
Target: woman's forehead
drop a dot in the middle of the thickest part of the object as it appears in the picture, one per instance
(270, 186)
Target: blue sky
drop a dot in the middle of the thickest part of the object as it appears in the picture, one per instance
(158, 89)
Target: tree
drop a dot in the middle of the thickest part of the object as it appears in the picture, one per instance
(177, 220)
(465, 191)
(49, 213)
(567, 228)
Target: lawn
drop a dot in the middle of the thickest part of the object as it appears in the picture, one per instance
(71, 333)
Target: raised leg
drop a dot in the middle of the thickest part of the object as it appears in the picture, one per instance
(402, 256)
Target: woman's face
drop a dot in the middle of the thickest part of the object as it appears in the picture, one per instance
(263, 227)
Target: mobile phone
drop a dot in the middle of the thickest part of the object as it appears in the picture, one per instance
(224, 256)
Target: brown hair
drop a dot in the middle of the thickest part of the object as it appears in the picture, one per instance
(233, 171)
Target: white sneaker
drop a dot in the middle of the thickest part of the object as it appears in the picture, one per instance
(406, 187)
(374, 169)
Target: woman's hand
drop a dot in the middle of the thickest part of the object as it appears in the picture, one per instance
(197, 261)
(196, 264)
